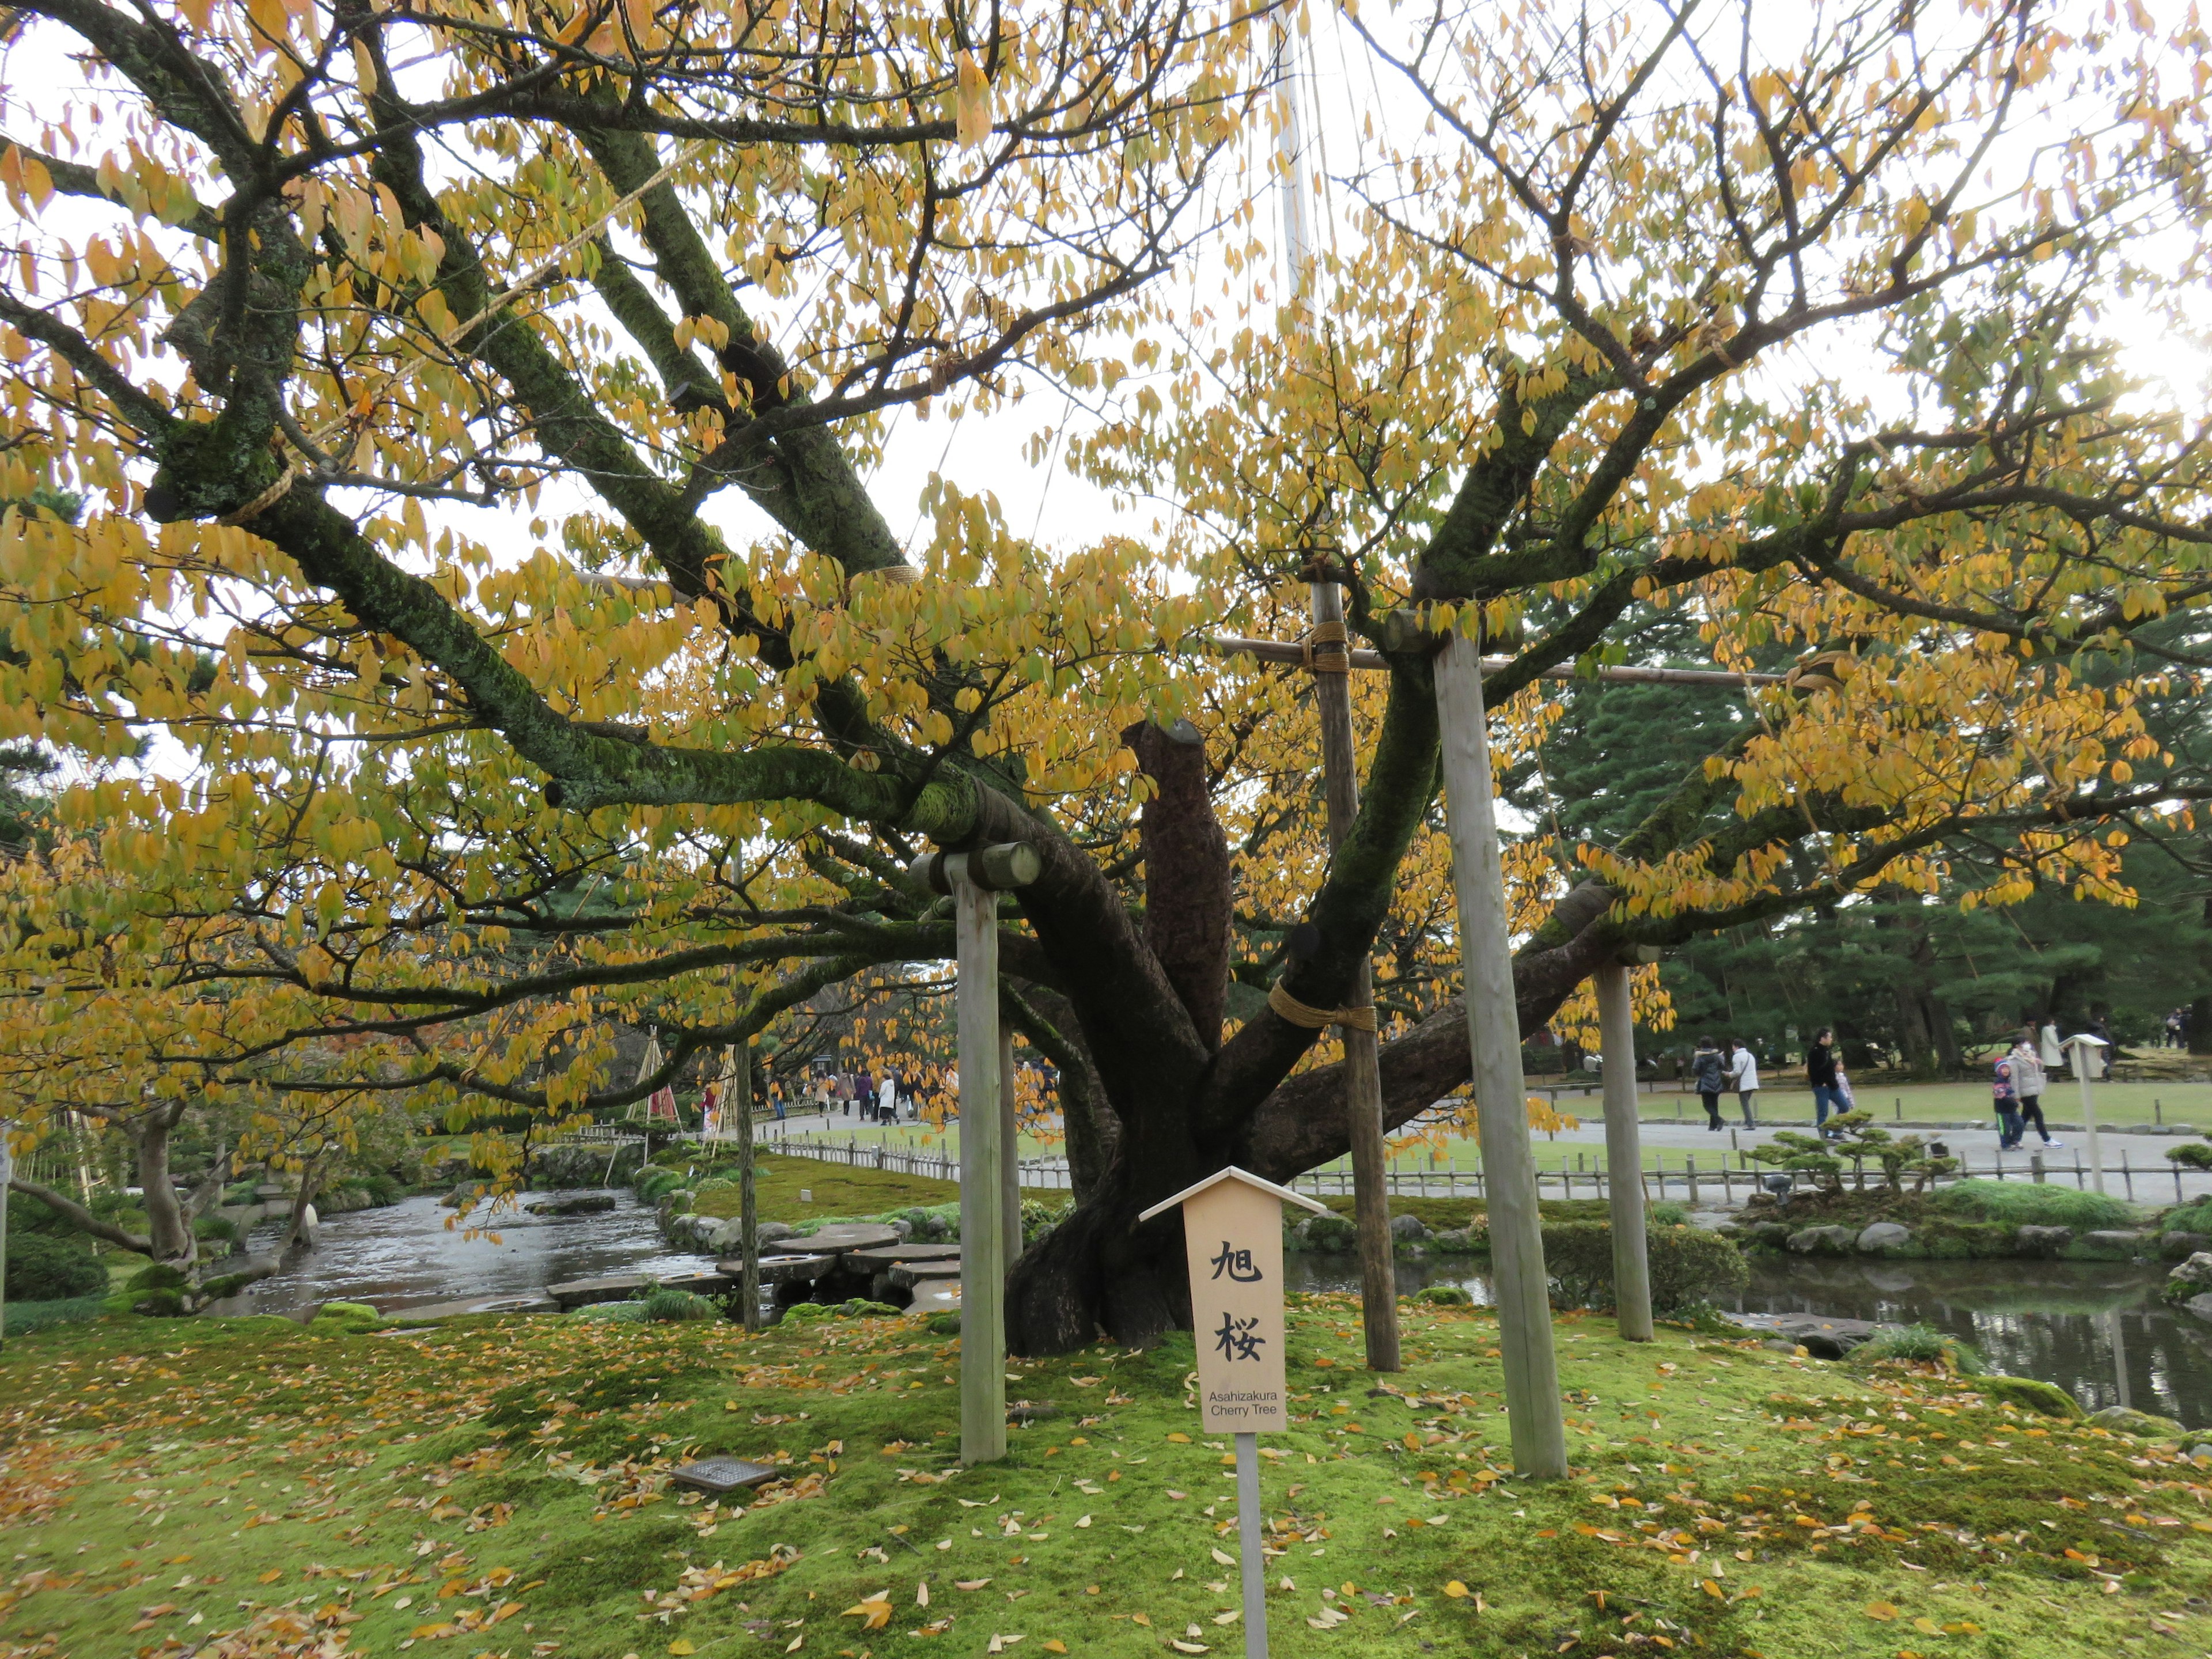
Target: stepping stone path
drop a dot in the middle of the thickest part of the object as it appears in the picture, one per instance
(1822, 1337)
(861, 1259)
(583, 1292)
(781, 1269)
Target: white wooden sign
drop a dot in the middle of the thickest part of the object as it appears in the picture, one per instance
(1232, 1230)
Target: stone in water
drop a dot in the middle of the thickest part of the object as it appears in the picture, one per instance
(720, 1476)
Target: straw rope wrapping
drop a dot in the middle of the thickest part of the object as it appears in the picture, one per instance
(1323, 635)
(1309, 1019)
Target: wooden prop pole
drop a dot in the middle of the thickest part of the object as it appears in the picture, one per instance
(975, 880)
(1623, 1153)
(741, 1099)
(1009, 1162)
(7, 1174)
(982, 1193)
(1363, 1083)
(1533, 1408)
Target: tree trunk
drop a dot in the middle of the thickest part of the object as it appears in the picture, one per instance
(169, 1220)
(295, 1229)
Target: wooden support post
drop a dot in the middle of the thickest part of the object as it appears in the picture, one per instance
(1533, 1408)
(975, 880)
(741, 1096)
(1624, 1153)
(1363, 1083)
(1010, 1185)
(982, 1190)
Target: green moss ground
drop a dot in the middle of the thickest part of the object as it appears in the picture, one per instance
(835, 1189)
(167, 1483)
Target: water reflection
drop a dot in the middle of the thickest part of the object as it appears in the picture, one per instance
(2096, 1329)
(405, 1256)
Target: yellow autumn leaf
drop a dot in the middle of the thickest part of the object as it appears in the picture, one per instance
(874, 1611)
(1456, 1590)
(1883, 1611)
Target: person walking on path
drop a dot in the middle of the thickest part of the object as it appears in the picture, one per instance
(887, 1099)
(1823, 1073)
(2028, 1081)
(2049, 1055)
(1709, 1076)
(1743, 1078)
(2006, 1094)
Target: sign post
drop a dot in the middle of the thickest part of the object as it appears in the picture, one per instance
(1232, 1232)
(2089, 1057)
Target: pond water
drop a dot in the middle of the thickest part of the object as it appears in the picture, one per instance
(405, 1256)
(2097, 1330)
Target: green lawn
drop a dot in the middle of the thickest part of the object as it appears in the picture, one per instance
(497, 1487)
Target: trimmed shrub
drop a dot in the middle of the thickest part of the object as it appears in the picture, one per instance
(1667, 1213)
(2191, 1154)
(1689, 1266)
(44, 1268)
(1444, 1296)
(652, 1180)
(1920, 1345)
(675, 1307)
(2025, 1203)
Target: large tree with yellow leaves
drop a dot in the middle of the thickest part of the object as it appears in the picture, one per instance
(1795, 323)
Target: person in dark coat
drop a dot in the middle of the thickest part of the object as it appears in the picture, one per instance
(1821, 1071)
(1709, 1071)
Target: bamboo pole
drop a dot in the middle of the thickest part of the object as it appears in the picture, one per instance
(1363, 1080)
(1282, 651)
(1623, 1153)
(1516, 1241)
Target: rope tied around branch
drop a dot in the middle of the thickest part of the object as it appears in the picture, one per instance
(267, 499)
(1309, 1019)
(1326, 634)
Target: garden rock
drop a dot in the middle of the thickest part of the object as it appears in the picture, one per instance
(2121, 1420)
(1774, 1234)
(1883, 1236)
(1455, 1240)
(2112, 1243)
(1328, 1232)
(2201, 1306)
(563, 1203)
(2178, 1247)
(2198, 1270)
(2043, 1241)
(1408, 1229)
(1822, 1241)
